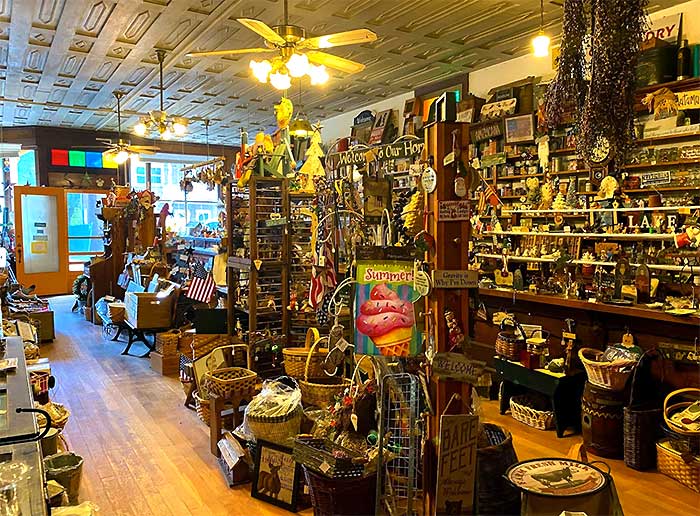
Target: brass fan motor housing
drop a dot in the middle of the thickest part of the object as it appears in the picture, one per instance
(291, 33)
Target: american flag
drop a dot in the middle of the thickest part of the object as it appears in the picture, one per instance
(202, 286)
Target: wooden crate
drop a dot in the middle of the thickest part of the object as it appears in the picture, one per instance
(147, 310)
(165, 365)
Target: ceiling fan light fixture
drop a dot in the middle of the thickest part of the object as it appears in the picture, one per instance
(140, 129)
(179, 126)
(280, 80)
(121, 157)
(318, 75)
(261, 69)
(298, 65)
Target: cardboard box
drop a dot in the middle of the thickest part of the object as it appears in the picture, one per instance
(46, 326)
(165, 365)
(148, 310)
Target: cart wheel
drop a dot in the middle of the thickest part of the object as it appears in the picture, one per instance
(109, 331)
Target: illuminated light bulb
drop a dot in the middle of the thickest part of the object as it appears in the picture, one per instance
(179, 128)
(166, 134)
(318, 75)
(540, 45)
(121, 157)
(261, 69)
(140, 129)
(280, 80)
(298, 65)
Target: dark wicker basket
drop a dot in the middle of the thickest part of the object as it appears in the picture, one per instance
(495, 495)
(325, 457)
(341, 496)
(641, 426)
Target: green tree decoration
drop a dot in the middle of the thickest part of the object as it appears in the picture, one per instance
(313, 166)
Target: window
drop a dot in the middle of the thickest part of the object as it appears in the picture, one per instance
(85, 231)
(200, 206)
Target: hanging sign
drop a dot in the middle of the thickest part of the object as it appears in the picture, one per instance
(455, 366)
(655, 178)
(453, 210)
(456, 464)
(665, 29)
(399, 150)
(279, 221)
(429, 180)
(688, 100)
(486, 130)
(421, 283)
(455, 279)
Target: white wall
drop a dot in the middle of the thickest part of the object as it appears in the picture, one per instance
(481, 81)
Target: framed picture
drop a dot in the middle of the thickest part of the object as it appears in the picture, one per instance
(215, 359)
(520, 129)
(276, 476)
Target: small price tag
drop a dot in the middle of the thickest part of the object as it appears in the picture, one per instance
(324, 467)
(568, 335)
(353, 420)
(342, 344)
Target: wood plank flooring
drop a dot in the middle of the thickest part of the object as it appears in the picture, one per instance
(146, 454)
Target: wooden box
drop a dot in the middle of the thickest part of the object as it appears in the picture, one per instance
(165, 365)
(148, 310)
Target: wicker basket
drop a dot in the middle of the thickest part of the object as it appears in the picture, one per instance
(670, 409)
(278, 429)
(509, 344)
(671, 463)
(231, 382)
(201, 405)
(606, 375)
(295, 358)
(167, 342)
(116, 311)
(341, 496)
(197, 345)
(327, 458)
(321, 392)
(540, 419)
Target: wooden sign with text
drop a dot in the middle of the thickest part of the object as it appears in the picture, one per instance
(455, 279)
(453, 210)
(404, 149)
(455, 366)
(454, 492)
(688, 100)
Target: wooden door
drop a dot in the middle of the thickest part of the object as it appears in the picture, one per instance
(41, 235)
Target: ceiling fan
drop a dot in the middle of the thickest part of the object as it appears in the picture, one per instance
(297, 54)
(121, 150)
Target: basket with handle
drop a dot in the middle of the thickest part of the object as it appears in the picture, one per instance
(279, 423)
(232, 383)
(673, 464)
(295, 358)
(641, 428)
(509, 343)
(606, 375)
(672, 408)
(320, 392)
(167, 342)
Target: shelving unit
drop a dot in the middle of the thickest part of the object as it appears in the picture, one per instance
(300, 266)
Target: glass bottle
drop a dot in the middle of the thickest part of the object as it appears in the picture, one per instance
(684, 65)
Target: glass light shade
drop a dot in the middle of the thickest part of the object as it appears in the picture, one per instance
(280, 81)
(179, 127)
(540, 45)
(300, 128)
(166, 133)
(121, 157)
(298, 65)
(140, 129)
(261, 69)
(318, 75)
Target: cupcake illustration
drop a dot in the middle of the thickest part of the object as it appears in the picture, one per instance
(387, 320)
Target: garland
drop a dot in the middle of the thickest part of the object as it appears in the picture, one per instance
(619, 27)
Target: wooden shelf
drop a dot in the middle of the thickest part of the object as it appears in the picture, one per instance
(572, 172)
(669, 137)
(561, 152)
(649, 190)
(621, 236)
(637, 166)
(532, 259)
(515, 178)
(636, 311)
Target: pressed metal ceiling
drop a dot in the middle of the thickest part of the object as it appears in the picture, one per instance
(61, 60)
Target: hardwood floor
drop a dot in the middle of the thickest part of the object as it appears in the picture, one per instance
(146, 454)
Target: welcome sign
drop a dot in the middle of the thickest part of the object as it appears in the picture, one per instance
(397, 150)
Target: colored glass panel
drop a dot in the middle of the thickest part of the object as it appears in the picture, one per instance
(93, 159)
(108, 160)
(76, 158)
(59, 157)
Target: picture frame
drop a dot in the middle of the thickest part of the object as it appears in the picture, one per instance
(276, 476)
(213, 360)
(520, 129)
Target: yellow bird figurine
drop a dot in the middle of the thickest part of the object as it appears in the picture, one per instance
(284, 111)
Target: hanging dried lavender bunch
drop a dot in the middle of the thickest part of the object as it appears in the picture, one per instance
(567, 91)
(619, 26)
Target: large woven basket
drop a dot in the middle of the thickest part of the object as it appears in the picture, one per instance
(540, 419)
(341, 496)
(606, 375)
(278, 429)
(295, 358)
(197, 345)
(116, 311)
(231, 382)
(671, 408)
(321, 392)
(509, 344)
(671, 463)
(167, 342)
(201, 404)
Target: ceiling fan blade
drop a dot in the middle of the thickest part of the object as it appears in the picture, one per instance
(262, 29)
(143, 148)
(231, 52)
(351, 37)
(335, 62)
(105, 146)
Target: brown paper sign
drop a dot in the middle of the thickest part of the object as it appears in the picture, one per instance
(456, 464)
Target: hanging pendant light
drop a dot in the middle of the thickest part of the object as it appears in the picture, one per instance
(540, 43)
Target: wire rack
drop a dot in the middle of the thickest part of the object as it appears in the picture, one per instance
(398, 488)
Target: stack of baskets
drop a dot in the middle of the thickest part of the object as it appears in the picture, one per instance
(320, 391)
(678, 455)
(168, 342)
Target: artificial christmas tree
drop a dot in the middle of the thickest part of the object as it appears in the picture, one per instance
(313, 166)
